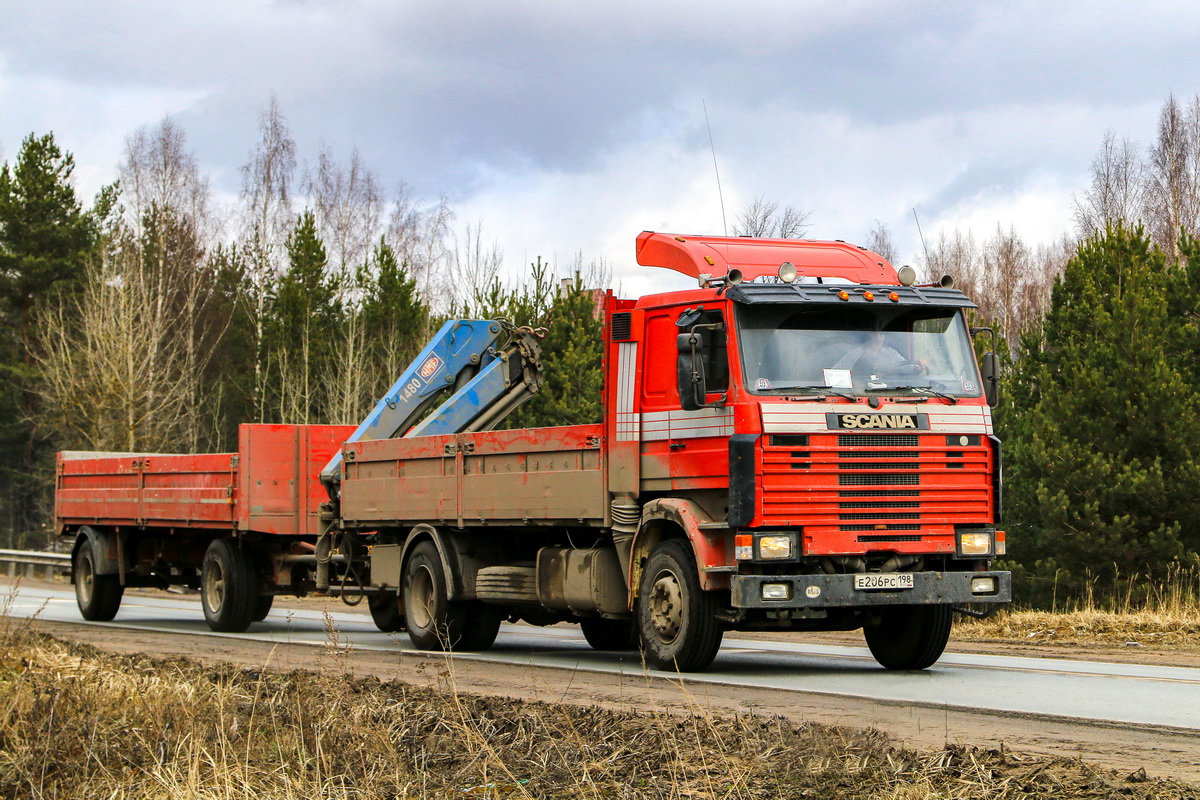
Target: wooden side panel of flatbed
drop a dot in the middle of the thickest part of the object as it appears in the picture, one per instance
(527, 476)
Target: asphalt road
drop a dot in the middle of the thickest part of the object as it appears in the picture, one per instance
(1126, 695)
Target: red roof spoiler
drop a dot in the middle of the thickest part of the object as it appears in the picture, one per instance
(716, 255)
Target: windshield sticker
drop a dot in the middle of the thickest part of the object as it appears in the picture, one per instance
(968, 386)
(838, 378)
(762, 384)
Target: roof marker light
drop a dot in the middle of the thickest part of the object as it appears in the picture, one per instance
(843, 295)
(895, 298)
(868, 296)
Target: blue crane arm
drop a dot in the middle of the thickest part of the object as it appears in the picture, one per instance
(460, 346)
(487, 381)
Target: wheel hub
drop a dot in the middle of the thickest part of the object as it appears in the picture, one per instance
(214, 588)
(666, 606)
(84, 580)
(421, 598)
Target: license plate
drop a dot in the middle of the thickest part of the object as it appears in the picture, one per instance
(884, 580)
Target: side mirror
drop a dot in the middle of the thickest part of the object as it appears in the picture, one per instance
(991, 379)
(690, 370)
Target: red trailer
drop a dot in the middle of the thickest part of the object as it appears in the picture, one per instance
(153, 519)
(803, 442)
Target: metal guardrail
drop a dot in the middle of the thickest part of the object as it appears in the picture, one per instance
(30, 561)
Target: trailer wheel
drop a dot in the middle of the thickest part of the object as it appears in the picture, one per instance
(909, 637)
(386, 612)
(98, 596)
(262, 607)
(436, 623)
(676, 618)
(228, 587)
(608, 634)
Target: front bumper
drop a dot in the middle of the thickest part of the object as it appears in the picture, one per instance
(832, 591)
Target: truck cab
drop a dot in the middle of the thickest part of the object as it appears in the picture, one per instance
(820, 431)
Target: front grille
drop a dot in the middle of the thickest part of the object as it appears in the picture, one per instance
(881, 454)
(879, 440)
(910, 479)
(880, 527)
(877, 515)
(882, 504)
(874, 484)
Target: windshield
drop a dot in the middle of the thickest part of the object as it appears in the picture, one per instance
(856, 351)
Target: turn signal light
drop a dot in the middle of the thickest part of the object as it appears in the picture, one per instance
(743, 547)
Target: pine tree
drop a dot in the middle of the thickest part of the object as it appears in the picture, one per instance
(573, 352)
(44, 239)
(1101, 438)
(303, 320)
(394, 318)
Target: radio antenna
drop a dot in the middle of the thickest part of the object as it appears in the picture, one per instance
(922, 235)
(720, 196)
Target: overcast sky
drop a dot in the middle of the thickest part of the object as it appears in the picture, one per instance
(571, 126)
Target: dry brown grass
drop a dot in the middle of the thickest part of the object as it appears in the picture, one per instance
(1169, 616)
(80, 723)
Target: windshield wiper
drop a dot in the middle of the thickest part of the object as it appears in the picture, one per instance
(919, 390)
(826, 389)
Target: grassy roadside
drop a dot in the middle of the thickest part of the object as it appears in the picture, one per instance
(81, 723)
(1167, 615)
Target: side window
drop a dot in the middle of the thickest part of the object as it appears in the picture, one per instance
(716, 355)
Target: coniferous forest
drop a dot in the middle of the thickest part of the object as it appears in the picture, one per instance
(154, 318)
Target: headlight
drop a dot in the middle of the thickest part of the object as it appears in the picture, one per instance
(975, 544)
(776, 591)
(983, 585)
(774, 547)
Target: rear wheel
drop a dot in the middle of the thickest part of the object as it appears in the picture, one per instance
(386, 612)
(608, 634)
(98, 596)
(910, 637)
(228, 587)
(677, 619)
(436, 623)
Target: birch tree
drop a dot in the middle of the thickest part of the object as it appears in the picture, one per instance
(267, 179)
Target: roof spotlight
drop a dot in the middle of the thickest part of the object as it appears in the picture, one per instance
(907, 275)
(787, 272)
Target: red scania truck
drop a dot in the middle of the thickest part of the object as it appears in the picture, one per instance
(803, 442)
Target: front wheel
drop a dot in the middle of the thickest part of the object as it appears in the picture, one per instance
(676, 618)
(228, 587)
(910, 637)
(98, 596)
(436, 623)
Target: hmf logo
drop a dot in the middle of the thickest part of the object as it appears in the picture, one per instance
(878, 421)
(431, 366)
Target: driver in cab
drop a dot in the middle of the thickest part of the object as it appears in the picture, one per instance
(874, 357)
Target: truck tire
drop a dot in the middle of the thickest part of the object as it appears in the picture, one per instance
(98, 596)
(433, 621)
(909, 637)
(228, 587)
(385, 612)
(608, 634)
(677, 619)
(262, 607)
